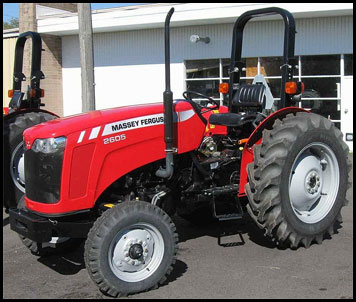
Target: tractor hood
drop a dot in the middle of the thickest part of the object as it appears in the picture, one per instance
(98, 118)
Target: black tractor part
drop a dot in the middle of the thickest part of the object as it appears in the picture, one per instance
(34, 92)
(298, 181)
(57, 245)
(167, 172)
(25, 112)
(13, 151)
(289, 60)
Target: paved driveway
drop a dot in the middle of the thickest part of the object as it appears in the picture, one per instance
(256, 269)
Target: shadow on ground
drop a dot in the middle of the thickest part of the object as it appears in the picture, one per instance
(227, 234)
(240, 229)
(68, 263)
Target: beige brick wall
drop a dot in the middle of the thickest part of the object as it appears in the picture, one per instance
(52, 68)
(51, 56)
(8, 54)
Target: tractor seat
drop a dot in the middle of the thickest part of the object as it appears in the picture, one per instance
(250, 95)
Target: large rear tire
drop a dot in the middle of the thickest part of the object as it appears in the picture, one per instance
(131, 248)
(298, 180)
(13, 170)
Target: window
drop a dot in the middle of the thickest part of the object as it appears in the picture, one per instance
(202, 69)
(321, 65)
(321, 75)
(270, 66)
(204, 76)
(348, 61)
(207, 87)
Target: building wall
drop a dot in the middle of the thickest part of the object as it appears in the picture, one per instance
(51, 60)
(8, 55)
(129, 65)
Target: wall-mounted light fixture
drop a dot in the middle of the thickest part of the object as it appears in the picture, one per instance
(197, 38)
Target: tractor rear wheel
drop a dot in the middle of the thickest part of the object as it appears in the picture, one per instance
(298, 180)
(13, 170)
(131, 248)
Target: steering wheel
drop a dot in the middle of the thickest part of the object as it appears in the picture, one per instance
(197, 107)
(187, 95)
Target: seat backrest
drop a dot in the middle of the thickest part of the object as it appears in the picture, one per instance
(250, 95)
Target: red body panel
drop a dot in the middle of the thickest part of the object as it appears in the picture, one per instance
(98, 151)
(256, 139)
(104, 145)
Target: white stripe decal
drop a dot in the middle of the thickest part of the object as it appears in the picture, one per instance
(133, 123)
(80, 139)
(94, 132)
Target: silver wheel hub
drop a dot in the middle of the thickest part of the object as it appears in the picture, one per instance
(133, 251)
(314, 182)
(136, 252)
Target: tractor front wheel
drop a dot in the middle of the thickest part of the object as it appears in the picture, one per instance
(131, 248)
(298, 180)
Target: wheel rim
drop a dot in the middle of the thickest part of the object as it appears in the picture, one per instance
(314, 182)
(17, 168)
(136, 252)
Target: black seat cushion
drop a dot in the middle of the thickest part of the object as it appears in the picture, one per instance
(231, 119)
(250, 95)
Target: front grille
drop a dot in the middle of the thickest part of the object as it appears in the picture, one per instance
(43, 175)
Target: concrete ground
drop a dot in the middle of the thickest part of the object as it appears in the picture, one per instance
(255, 269)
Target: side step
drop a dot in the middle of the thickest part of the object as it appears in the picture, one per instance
(218, 191)
(226, 217)
(237, 214)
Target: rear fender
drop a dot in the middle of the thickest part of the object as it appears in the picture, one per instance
(256, 139)
(23, 111)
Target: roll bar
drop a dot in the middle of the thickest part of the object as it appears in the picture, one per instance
(36, 73)
(289, 61)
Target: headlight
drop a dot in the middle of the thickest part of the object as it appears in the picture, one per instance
(49, 145)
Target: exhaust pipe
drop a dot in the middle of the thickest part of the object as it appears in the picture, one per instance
(168, 107)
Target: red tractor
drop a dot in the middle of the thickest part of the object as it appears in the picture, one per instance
(23, 112)
(114, 177)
